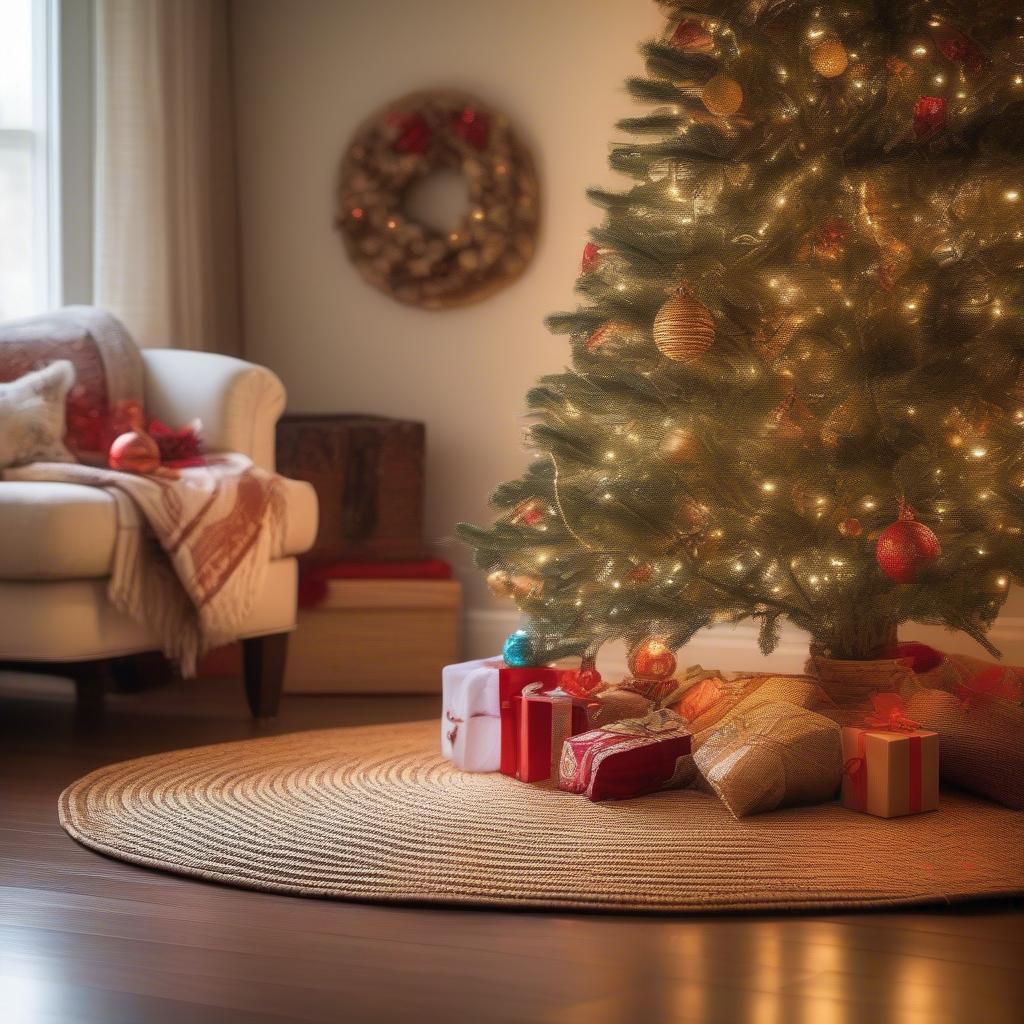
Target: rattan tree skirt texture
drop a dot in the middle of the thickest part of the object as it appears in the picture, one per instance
(374, 813)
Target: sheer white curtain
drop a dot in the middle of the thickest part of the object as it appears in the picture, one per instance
(166, 257)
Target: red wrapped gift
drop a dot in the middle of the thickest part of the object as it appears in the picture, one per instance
(511, 683)
(891, 766)
(628, 758)
(547, 718)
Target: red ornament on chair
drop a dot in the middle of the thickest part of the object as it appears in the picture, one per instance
(134, 451)
(905, 546)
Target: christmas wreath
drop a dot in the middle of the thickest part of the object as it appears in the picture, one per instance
(412, 262)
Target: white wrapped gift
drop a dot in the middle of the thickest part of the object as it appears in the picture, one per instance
(471, 715)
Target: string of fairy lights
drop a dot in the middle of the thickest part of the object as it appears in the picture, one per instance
(827, 426)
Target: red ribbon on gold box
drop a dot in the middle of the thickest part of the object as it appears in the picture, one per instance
(890, 773)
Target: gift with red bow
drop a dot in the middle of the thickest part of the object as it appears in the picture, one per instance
(891, 766)
(627, 758)
(545, 718)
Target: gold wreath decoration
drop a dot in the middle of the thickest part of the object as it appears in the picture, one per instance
(413, 262)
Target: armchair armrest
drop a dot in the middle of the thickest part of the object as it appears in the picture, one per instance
(238, 402)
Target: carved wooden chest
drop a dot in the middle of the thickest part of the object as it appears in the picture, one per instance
(368, 476)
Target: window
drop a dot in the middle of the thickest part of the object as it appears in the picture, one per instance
(26, 277)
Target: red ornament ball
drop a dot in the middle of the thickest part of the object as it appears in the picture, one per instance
(693, 37)
(412, 133)
(134, 452)
(922, 657)
(904, 547)
(652, 659)
(591, 258)
(472, 127)
(581, 682)
(929, 117)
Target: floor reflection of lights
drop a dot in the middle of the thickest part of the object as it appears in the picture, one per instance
(22, 992)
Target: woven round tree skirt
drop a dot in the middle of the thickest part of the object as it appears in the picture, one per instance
(375, 814)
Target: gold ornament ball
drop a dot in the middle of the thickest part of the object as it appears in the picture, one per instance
(652, 659)
(722, 95)
(679, 445)
(851, 527)
(683, 328)
(500, 583)
(830, 59)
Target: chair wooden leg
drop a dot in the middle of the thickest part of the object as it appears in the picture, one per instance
(90, 679)
(263, 659)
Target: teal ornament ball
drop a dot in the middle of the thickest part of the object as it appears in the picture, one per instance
(518, 650)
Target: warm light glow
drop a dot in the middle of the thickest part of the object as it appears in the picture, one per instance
(979, 453)
(1002, 581)
(768, 487)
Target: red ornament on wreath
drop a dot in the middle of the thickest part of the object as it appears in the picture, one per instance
(591, 258)
(905, 546)
(652, 659)
(413, 133)
(473, 127)
(929, 117)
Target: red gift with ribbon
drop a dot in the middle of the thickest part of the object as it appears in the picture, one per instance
(628, 758)
(891, 766)
(547, 718)
(511, 683)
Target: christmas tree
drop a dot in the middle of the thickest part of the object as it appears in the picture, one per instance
(797, 380)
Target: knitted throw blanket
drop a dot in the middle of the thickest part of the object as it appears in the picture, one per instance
(192, 550)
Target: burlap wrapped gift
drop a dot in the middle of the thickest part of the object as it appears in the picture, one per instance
(771, 754)
(981, 741)
(715, 696)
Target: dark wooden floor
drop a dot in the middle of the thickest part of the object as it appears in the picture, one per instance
(83, 938)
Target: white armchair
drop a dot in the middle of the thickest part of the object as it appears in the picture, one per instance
(57, 539)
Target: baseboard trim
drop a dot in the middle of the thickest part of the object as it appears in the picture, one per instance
(732, 648)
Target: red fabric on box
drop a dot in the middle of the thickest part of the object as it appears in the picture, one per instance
(616, 766)
(511, 683)
(537, 760)
(313, 579)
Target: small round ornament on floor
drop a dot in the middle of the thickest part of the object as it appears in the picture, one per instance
(905, 547)
(683, 328)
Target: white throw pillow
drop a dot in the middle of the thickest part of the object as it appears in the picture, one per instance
(32, 416)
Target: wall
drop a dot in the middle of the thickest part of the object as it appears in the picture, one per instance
(307, 72)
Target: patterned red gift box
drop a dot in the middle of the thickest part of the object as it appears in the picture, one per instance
(628, 758)
(547, 718)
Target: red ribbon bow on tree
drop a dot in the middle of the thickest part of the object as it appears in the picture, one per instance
(890, 713)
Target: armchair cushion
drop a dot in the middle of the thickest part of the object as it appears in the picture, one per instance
(67, 531)
(238, 402)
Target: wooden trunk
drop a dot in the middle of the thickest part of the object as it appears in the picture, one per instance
(368, 476)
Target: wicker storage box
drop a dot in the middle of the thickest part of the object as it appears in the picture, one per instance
(368, 475)
(376, 636)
